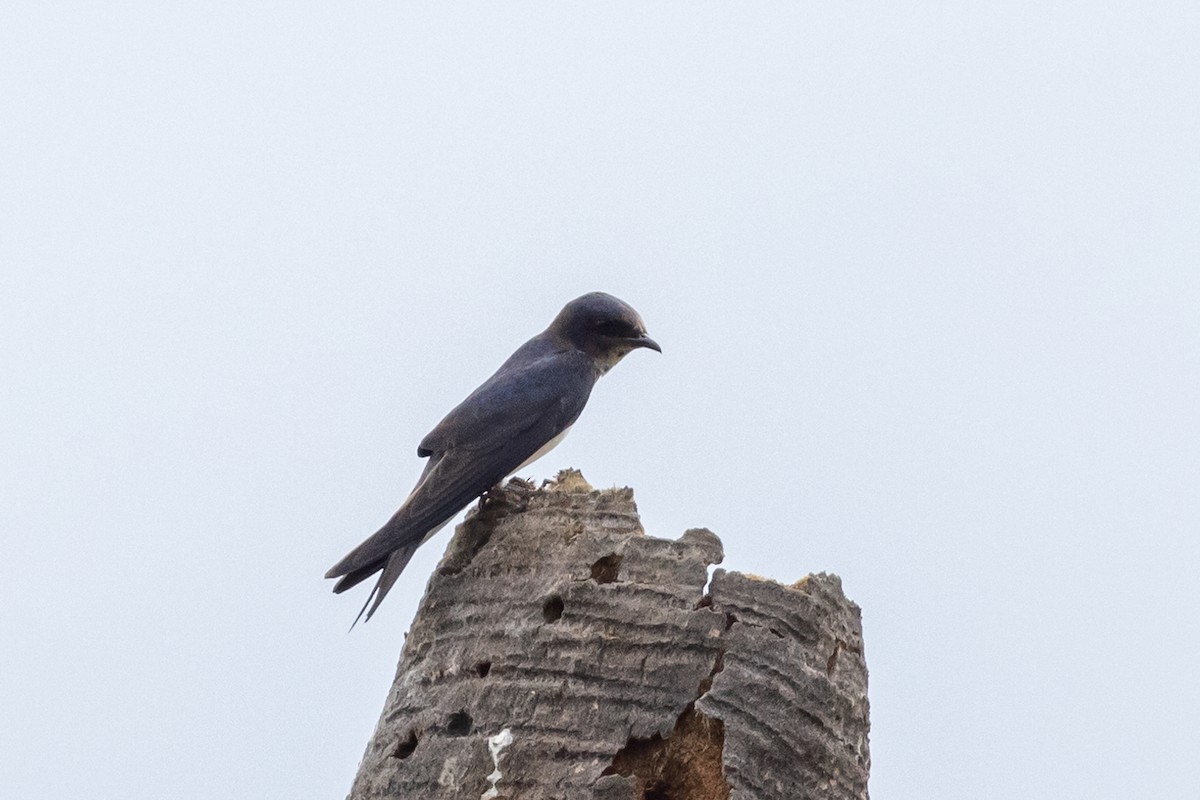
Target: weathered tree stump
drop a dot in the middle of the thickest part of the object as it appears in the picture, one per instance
(559, 652)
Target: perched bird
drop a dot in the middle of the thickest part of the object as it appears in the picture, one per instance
(514, 418)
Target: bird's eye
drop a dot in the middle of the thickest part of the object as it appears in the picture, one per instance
(609, 327)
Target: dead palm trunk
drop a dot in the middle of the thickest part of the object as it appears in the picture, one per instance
(561, 653)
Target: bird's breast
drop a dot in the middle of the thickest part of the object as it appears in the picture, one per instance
(546, 448)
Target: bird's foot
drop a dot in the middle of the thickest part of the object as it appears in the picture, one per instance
(521, 485)
(510, 495)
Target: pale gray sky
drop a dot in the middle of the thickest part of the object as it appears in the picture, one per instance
(926, 277)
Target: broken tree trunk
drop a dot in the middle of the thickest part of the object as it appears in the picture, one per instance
(559, 652)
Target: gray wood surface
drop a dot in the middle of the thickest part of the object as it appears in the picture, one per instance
(559, 652)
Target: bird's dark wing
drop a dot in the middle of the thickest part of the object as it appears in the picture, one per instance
(535, 380)
(484, 439)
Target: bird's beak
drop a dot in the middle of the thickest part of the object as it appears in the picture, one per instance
(645, 341)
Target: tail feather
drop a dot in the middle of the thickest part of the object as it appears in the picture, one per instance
(354, 578)
(394, 565)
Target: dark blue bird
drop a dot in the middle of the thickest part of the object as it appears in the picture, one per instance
(515, 417)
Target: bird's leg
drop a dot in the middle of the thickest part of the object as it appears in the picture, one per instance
(521, 485)
(491, 496)
(486, 498)
(502, 493)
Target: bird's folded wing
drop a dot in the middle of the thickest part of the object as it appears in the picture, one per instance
(550, 384)
(523, 416)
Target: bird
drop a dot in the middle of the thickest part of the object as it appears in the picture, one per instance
(516, 416)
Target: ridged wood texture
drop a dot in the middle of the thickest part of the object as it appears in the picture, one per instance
(588, 657)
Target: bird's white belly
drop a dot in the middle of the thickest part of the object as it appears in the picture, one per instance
(546, 448)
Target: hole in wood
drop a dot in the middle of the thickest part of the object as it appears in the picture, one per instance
(483, 668)
(460, 724)
(552, 609)
(686, 765)
(405, 747)
(605, 570)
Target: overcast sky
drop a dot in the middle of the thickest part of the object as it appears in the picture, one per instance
(926, 277)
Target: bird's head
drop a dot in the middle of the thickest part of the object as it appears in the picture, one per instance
(603, 327)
